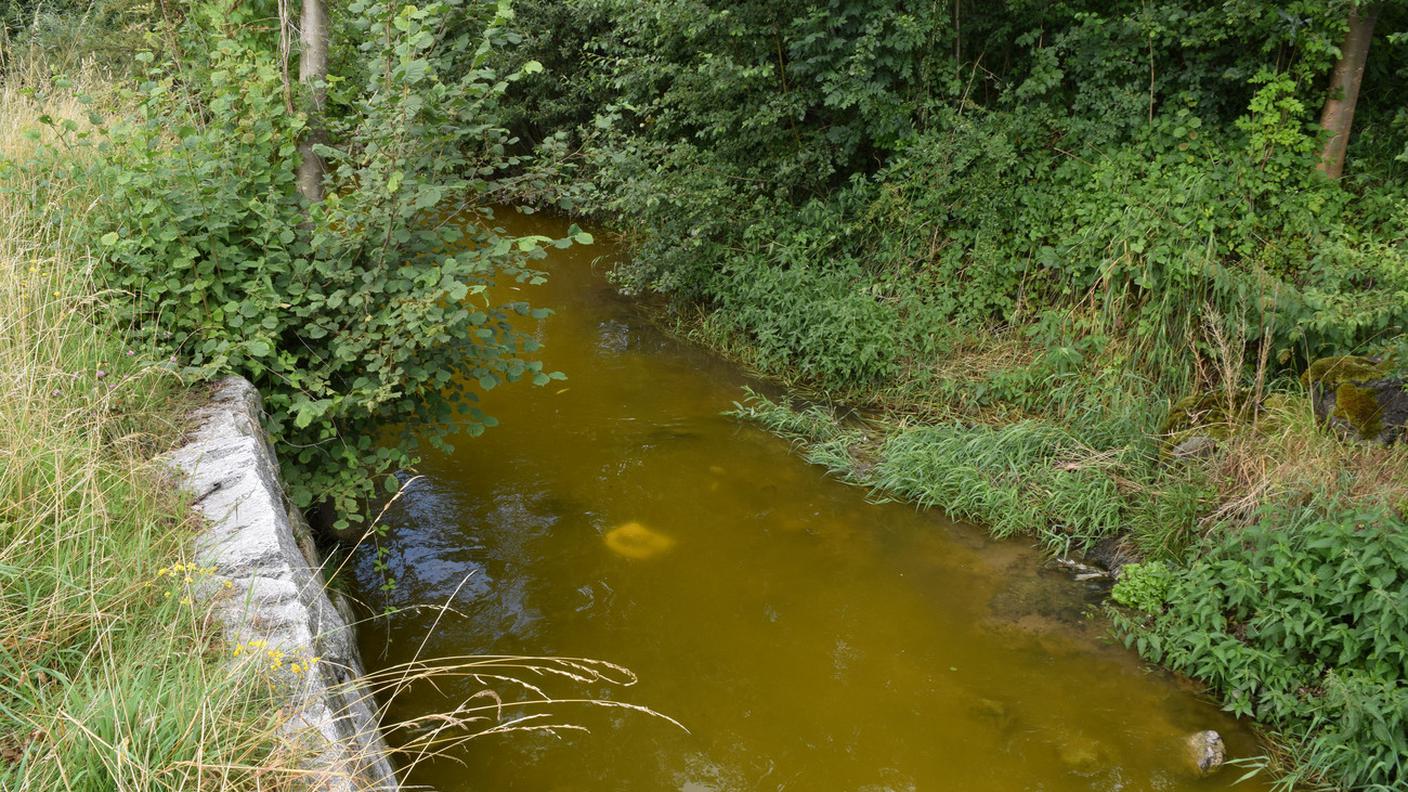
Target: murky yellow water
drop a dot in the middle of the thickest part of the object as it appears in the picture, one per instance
(808, 639)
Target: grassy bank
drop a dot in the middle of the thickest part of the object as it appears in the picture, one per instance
(1268, 564)
(156, 239)
(110, 676)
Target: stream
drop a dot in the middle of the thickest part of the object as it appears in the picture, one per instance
(807, 638)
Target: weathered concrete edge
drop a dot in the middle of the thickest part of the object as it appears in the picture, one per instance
(268, 587)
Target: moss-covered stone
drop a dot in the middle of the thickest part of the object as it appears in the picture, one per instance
(1331, 371)
(1358, 396)
(1197, 421)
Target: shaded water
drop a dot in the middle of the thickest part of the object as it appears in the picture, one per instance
(808, 639)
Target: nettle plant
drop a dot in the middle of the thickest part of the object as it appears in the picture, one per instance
(372, 309)
(1300, 620)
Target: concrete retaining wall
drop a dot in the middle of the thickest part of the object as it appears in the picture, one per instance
(275, 599)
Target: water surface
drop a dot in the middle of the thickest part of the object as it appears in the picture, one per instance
(809, 639)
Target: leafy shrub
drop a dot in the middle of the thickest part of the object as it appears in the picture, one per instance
(719, 134)
(1142, 586)
(1301, 620)
(370, 309)
(824, 326)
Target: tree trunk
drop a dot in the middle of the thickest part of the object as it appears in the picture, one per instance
(1338, 115)
(312, 74)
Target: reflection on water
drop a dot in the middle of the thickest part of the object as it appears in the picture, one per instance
(808, 639)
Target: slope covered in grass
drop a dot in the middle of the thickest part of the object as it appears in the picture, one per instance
(110, 675)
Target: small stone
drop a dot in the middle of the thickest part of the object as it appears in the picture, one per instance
(1198, 446)
(991, 708)
(1206, 750)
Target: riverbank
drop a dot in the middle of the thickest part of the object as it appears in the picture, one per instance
(1273, 505)
(100, 645)
(1072, 265)
(113, 673)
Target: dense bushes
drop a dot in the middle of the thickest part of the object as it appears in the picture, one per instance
(820, 325)
(985, 164)
(369, 309)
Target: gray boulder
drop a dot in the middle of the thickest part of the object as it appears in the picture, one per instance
(270, 595)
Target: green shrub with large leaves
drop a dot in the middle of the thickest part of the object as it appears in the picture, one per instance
(1301, 620)
(371, 309)
(984, 163)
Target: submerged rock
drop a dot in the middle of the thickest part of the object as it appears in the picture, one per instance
(634, 540)
(1207, 752)
(1082, 755)
(1358, 396)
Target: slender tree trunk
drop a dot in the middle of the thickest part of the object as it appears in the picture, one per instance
(1338, 115)
(312, 73)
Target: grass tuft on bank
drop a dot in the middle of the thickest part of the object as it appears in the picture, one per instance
(110, 676)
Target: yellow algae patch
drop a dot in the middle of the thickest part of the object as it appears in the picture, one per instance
(634, 540)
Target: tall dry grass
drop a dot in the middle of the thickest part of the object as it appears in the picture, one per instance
(111, 677)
